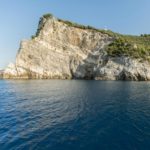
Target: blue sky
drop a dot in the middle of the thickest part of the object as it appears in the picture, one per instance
(19, 19)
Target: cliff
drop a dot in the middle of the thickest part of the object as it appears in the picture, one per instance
(63, 50)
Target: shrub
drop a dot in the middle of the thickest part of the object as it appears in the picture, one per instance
(132, 46)
(33, 37)
(46, 16)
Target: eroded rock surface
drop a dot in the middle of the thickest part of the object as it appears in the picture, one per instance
(61, 51)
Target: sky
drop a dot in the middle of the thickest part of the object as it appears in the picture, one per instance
(19, 18)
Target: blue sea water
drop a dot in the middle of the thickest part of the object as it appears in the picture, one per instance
(74, 115)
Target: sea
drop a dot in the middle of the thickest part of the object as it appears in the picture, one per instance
(74, 115)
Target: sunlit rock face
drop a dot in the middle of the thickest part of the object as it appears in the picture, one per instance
(61, 51)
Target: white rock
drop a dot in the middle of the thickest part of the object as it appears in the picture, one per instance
(65, 52)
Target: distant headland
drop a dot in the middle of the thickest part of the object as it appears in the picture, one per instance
(66, 50)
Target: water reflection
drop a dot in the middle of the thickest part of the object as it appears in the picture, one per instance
(73, 114)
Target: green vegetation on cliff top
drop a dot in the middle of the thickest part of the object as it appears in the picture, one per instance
(133, 46)
(123, 45)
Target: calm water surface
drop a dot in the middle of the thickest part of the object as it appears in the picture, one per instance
(74, 115)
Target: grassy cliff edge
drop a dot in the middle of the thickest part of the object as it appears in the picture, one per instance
(123, 45)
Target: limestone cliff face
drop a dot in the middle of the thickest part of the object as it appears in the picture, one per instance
(61, 51)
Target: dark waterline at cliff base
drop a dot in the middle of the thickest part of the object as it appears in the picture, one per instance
(74, 115)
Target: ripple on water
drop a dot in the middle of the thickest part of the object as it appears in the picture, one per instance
(64, 115)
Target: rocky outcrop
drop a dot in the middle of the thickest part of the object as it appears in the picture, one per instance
(61, 51)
